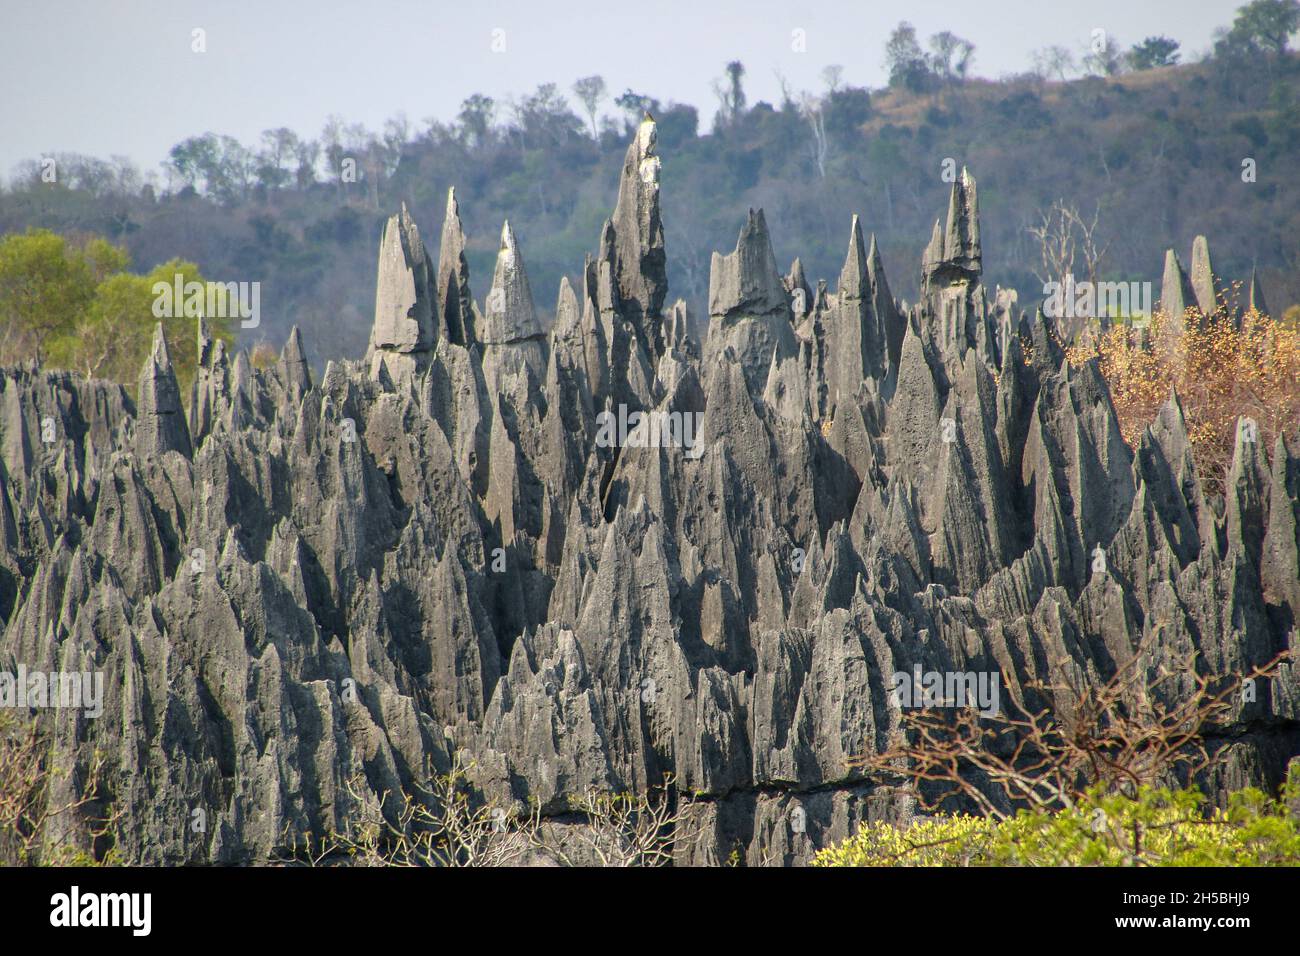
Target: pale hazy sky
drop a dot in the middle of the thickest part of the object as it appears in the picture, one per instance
(106, 77)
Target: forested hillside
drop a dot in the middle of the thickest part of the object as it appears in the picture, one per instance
(1151, 151)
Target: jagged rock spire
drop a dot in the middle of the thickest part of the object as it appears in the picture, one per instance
(404, 332)
(891, 319)
(952, 296)
(796, 283)
(853, 276)
(1203, 278)
(857, 339)
(510, 315)
(640, 263)
(293, 364)
(954, 248)
(568, 319)
(749, 309)
(747, 280)
(457, 318)
(933, 253)
(1256, 301)
(160, 421)
(1175, 289)
(961, 238)
(205, 343)
(677, 327)
(208, 392)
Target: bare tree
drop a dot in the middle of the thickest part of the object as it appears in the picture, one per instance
(450, 825)
(621, 830)
(36, 825)
(1054, 62)
(783, 84)
(813, 111)
(1104, 56)
(1148, 725)
(1063, 235)
(590, 90)
(731, 93)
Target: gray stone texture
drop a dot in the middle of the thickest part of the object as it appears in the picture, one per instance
(313, 592)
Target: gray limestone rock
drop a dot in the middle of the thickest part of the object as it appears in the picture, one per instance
(458, 316)
(161, 423)
(1176, 293)
(404, 331)
(640, 262)
(1204, 281)
(749, 308)
(1256, 301)
(314, 593)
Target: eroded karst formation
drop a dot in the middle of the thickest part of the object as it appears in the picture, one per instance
(308, 595)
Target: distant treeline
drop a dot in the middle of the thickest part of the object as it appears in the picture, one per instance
(1150, 149)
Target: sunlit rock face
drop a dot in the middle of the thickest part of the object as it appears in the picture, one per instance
(313, 591)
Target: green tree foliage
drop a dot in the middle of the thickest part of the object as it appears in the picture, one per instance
(1264, 25)
(1153, 52)
(904, 59)
(276, 162)
(77, 307)
(44, 288)
(114, 339)
(544, 118)
(951, 57)
(730, 91)
(1153, 827)
(476, 119)
(218, 165)
(847, 109)
(635, 106)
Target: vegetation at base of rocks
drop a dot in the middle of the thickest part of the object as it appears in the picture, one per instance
(1221, 368)
(1147, 723)
(452, 825)
(1081, 774)
(72, 303)
(1154, 827)
(38, 826)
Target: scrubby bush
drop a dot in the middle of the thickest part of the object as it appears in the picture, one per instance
(1155, 827)
(40, 824)
(1220, 368)
(1096, 778)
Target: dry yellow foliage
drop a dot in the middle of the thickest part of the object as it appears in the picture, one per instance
(1221, 369)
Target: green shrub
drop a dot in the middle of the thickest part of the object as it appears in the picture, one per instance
(1156, 827)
